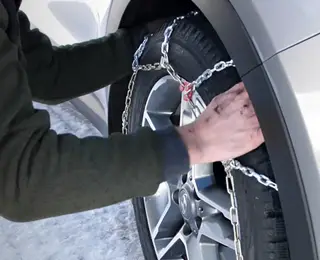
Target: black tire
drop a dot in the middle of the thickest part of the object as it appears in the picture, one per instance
(194, 46)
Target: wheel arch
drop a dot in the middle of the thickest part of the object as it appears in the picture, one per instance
(220, 13)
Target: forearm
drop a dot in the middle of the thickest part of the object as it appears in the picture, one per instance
(61, 73)
(45, 175)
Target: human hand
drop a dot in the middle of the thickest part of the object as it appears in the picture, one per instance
(228, 128)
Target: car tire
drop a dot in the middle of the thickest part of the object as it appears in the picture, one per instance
(194, 47)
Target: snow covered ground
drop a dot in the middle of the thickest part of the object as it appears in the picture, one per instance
(102, 234)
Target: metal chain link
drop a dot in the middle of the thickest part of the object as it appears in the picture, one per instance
(236, 165)
(234, 215)
(164, 61)
(125, 113)
(229, 165)
(136, 68)
(220, 66)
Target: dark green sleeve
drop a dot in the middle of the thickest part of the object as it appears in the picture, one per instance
(43, 174)
(58, 74)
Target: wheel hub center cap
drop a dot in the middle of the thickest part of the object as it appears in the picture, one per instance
(185, 204)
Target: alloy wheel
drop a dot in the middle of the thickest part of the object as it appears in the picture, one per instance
(188, 217)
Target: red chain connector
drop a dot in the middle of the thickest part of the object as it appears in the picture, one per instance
(187, 89)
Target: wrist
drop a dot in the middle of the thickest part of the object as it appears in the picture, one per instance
(175, 156)
(190, 139)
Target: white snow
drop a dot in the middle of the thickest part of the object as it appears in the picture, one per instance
(102, 234)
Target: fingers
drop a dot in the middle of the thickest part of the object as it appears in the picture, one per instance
(229, 104)
(238, 88)
(224, 98)
(234, 102)
(242, 100)
(236, 92)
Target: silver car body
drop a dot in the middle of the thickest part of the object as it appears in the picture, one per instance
(274, 44)
(68, 22)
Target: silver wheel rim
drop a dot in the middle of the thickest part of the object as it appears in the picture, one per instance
(189, 218)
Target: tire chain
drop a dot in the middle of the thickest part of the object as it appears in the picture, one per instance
(229, 165)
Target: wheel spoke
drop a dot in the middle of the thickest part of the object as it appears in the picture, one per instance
(201, 106)
(163, 215)
(164, 96)
(207, 191)
(191, 248)
(190, 111)
(226, 253)
(156, 120)
(161, 104)
(201, 250)
(202, 175)
(216, 198)
(175, 248)
(186, 114)
(218, 229)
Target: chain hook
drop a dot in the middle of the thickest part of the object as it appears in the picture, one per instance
(187, 90)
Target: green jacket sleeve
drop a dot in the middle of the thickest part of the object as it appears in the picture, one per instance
(57, 74)
(43, 174)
